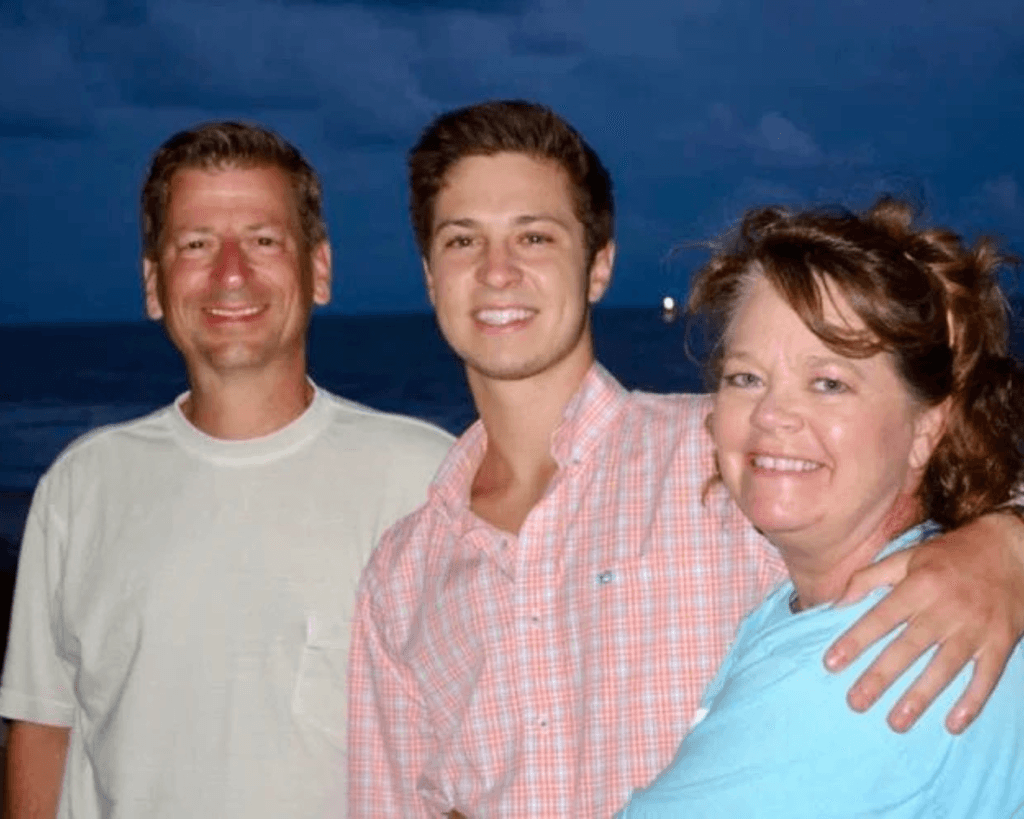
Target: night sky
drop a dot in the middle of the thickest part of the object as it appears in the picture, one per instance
(700, 108)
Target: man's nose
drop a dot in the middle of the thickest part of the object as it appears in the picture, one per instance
(499, 267)
(231, 266)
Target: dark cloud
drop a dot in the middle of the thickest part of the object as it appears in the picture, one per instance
(43, 93)
(21, 126)
(427, 6)
(546, 44)
(351, 128)
(699, 108)
(126, 12)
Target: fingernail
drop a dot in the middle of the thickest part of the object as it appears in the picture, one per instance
(903, 716)
(861, 698)
(959, 720)
(835, 659)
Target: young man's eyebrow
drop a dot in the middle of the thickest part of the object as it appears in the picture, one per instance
(464, 222)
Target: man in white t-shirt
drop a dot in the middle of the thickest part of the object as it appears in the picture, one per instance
(184, 595)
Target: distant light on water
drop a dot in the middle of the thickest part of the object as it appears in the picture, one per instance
(669, 309)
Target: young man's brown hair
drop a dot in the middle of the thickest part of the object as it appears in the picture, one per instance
(513, 126)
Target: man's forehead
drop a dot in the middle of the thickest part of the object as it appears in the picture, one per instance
(268, 184)
(506, 174)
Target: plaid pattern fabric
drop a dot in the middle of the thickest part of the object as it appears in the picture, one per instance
(550, 673)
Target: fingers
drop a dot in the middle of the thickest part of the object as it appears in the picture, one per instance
(941, 670)
(988, 668)
(897, 657)
(887, 572)
(887, 614)
(988, 649)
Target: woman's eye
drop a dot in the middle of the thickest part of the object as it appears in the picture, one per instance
(829, 385)
(741, 380)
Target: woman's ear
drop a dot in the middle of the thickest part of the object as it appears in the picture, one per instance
(929, 427)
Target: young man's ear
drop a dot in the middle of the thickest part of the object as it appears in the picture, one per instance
(151, 288)
(600, 276)
(428, 280)
(320, 263)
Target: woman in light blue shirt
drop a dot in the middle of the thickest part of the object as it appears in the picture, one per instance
(864, 401)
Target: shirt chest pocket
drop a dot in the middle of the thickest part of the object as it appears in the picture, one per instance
(319, 699)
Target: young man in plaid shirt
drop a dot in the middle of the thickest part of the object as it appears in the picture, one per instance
(535, 639)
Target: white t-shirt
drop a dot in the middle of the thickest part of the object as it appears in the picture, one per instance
(183, 603)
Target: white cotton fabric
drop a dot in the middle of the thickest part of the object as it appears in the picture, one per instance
(183, 603)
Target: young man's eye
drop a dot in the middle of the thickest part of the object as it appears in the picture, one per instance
(536, 238)
(741, 380)
(459, 241)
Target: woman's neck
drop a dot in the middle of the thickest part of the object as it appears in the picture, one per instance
(821, 574)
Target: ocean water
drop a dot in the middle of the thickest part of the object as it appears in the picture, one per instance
(58, 382)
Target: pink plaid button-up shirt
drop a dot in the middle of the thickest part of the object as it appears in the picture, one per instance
(548, 674)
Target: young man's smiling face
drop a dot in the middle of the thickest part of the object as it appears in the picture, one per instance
(507, 268)
(234, 283)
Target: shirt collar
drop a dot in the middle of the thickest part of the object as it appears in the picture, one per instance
(585, 421)
(587, 416)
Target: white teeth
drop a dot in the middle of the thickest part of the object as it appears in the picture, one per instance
(498, 318)
(784, 464)
(234, 312)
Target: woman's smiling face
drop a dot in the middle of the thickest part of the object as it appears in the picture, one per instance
(816, 447)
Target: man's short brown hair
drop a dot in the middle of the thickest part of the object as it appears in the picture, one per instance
(513, 126)
(218, 145)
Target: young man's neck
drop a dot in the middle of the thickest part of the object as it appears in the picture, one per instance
(520, 417)
(247, 406)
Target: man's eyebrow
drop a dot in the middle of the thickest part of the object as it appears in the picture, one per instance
(462, 223)
(524, 219)
(529, 218)
(176, 230)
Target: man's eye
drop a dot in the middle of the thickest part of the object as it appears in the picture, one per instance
(459, 241)
(536, 239)
(195, 244)
(741, 380)
(266, 241)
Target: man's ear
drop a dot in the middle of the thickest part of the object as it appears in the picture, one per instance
(928, 431)
(151, 288)
(601, 273)
(320, 263)
(428, 280)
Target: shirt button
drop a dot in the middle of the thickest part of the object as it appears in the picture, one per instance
(605, 577)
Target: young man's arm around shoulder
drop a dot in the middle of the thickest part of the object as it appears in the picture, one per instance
(34, 770)
(964, 592)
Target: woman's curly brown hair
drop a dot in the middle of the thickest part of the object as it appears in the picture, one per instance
(924, 297)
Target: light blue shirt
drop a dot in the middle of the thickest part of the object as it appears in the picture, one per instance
(778, 739)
